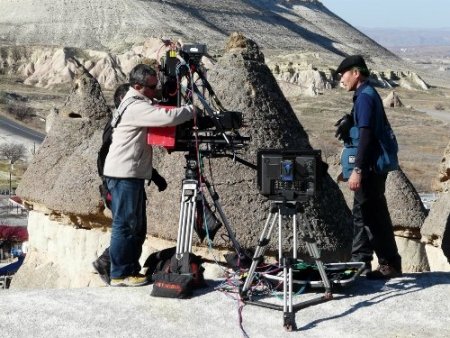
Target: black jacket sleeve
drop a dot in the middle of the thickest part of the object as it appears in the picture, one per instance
(363, 156)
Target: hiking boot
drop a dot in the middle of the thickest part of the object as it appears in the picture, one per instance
(138, 280)
(384, 272)
(102, 270)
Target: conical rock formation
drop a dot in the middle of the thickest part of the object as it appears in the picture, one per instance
(407, 215)
(392, 100)
(444, 171)
(63, 174)
(244, 83)
(436, 228)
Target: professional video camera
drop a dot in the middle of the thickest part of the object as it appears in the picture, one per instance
(183, 80)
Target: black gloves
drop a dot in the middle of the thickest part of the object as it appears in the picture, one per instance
(343, 127)
(159, 180)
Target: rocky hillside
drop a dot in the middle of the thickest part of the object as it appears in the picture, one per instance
(281, 26)
(302, 40)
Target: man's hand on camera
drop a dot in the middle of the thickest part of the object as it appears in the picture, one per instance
(159, 181)
(343, 127)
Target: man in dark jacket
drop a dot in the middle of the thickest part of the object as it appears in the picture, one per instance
(372, 224)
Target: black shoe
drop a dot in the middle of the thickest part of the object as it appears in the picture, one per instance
(384, 272)
(103, 271)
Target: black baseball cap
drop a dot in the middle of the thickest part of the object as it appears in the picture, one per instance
(352, 61)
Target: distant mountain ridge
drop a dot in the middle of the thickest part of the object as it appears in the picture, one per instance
(403, 37)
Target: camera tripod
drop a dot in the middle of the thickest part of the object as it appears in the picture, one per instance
(287, 211)
(190, 196)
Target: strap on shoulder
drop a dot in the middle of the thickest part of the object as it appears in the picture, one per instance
(122, 107)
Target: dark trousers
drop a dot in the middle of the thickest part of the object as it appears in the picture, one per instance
(446, 240)
(372, 225)
(129, 226)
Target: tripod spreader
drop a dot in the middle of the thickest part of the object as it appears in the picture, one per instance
(278, 212)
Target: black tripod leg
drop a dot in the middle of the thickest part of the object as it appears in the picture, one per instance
(215, 198)
(289, 321)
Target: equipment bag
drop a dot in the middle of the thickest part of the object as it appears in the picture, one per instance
(206, 221)
(388, 158)
(159, 261)
(173, 277)
(172, 285)
(348, 155)
(189, 264)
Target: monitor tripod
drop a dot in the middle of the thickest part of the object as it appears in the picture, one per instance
(191, 195)
(287, 211)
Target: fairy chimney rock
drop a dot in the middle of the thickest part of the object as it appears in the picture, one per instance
(392, 100)
(436, 228)
(444, 171)
(63, 174)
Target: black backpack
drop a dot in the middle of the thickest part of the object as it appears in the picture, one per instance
(108, 130)
(106, 143)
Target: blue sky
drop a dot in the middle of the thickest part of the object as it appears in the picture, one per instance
(392, 13)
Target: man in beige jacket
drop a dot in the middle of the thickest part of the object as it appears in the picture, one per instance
(127, 166)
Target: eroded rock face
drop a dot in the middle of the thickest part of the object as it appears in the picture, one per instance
(406, 79)
(436, 231)
(50, 66)
(63, 175)
(436, 228)
(405, 207)
(307, 80)
(407, 215)
(444, 170)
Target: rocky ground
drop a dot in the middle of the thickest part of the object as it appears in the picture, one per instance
(415, 305)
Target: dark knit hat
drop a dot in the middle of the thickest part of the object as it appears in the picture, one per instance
(352, 61)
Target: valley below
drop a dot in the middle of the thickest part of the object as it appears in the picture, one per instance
(422, 130)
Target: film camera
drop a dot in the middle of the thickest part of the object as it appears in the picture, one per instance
(215, 129)
(288, 175)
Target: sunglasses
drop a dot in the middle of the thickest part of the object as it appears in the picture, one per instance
(152, 87)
